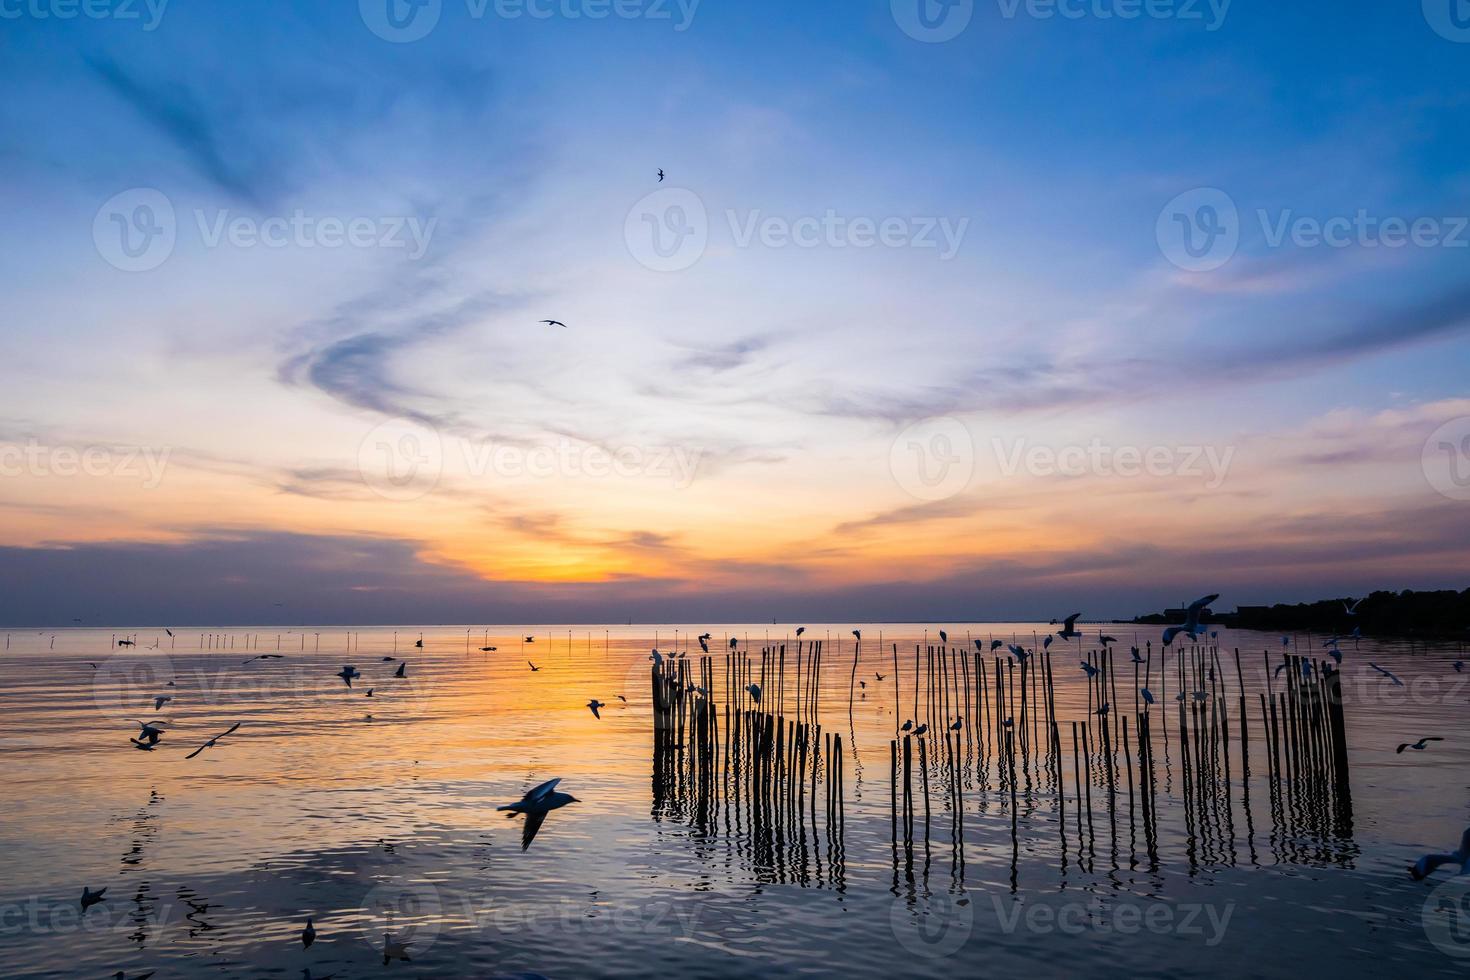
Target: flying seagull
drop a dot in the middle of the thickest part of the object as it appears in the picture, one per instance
(1105, 639)
(554, 323)
(660, 175)
(1090, 670)
(264, 656)
(533, 667)
(1387, 674)
(91, 898)
(150, 733)
(210, 743)
(1191, 619)
(348, 673)
(536, 805)
(1351, 608)
(1421, 745)
(160, 701)
(530, 639)
(1067, 632)
(402, 668)
(1427, 864)
(595, 704)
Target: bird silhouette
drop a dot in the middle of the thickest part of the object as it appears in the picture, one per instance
(394, 950)
(1427, 864)
(943, 637)
(1148, 696)
(1067, 632)
(348, 673)
(755, 692)
(595, 705)
(210, 743)
(660, 175)
(1421, 745)
(536, 805)
(554, 323)
(402, 670)
(1089, 669)
(1388, 674)
(308, 935)
(1191, 619)
(91, 898)
(996, 645)
(160, 701)
(533, 667)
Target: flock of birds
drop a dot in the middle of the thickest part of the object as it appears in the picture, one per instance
(542, 800)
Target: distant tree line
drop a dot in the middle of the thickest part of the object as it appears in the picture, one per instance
(1444, 612)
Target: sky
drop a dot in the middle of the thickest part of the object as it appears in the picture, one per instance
(941, 311)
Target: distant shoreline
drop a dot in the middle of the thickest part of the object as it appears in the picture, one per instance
(1443, 613)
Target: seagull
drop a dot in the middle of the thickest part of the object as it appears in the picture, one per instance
(1137, 656)
(703, 644)
(1105, 639)
(1421, 745)
(91, 898)
(733, 642)
(168, 631)
(1148, 696)
(1279, 668)
(1351, 608)
(1088, 668)
(126, 643)
(907, 726)
(755, 692)
(660, 175)
(1006, 724)
(1191, 619)
(308, 935)
(1067, 632)
(859, 635)
(264, 656)
(150, 733)
(996, 645)
(394, 950)
(1387, 674)
(622, 699)
(1046, 643)
(958, 724)
(979, 647)
(143, 746)
(487, 649)
(419, 644)
(536, 805)
(1200, 695)
(1427, 864)
(1103, 711)
(160, 701)
(921, 730)
(1018, 652)
(943, 636)
(877, 675)
(210, 743)
(389, 660)
(554, 323)
(595, 704)
(863, 685)
(530, 639)
(800, 630)
(402, 668)
(657, 658)
(347, 673)
(533, 667)
(1335, 654)
(370, 692)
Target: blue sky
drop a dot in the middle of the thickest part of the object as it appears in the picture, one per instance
(1055, 152)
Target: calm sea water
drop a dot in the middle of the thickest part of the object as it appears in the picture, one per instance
(376, 814)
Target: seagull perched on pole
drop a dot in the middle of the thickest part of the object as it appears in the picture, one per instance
(536, 805)
(1191, 619)
(1090, 670)
(755, 692)
(943, 637)
(996, 645)
(1426, 865)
